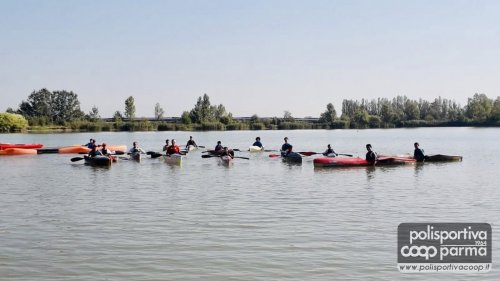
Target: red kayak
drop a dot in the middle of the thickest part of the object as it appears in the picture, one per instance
(21, 145)
(352, 162)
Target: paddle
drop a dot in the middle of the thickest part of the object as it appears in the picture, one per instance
(210, 156)
(309, 153)
(74, 159)
(274, 155)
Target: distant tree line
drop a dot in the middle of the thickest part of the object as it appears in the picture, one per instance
(44, 108)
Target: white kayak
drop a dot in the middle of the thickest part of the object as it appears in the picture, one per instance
(255, 149)
(175, 159)
(226, 160)
(191, 148)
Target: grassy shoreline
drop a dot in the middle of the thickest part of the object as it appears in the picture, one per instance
(145, 125)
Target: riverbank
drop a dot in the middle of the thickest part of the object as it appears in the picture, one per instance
(145, 125)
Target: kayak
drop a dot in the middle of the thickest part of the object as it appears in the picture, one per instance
(442, 158)
(135, 156)
(292, 157)
(174, 159)
(20, 145)
(255, 149)
(352, 162)
(81, 149)
(17, 151)
(339, 162)
(191, 148)
(382, 161)
(226, 160)
(98, 160)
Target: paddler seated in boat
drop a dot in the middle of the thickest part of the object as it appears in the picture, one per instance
(329, 151)
(173, 148)
(91, 144)
(167, 144)
(227, 152)
(94, 152)
(257, 142)
(371, 156)
(136, 149)
(285, 147)
(191, 142)
(418, 153)
(218, 148)
(105, 151)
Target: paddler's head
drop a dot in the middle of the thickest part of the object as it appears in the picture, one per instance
(369, 147)
(286, 139)
(416, 145)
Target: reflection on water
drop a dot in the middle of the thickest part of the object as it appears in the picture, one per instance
(258, 219)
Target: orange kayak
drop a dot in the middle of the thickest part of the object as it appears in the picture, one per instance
(17, 151)
(83, 149)
(21, 145)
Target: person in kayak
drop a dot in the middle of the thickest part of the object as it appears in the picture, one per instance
(286, 146)
(173, 148)
(94, 152)
(227, 152)
(218, 147)
(371, 156)
(257, 142)
(191, 142)
(329, 151)
(167, 144)
(418, 154)
(91, 144)
(136, 149)
(105, 151)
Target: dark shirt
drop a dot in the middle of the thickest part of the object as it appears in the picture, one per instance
(371, 156)
(105, 151)
(285, 146)
(218, 147)
(90, 145)
(418, 154)
(257, 143)
(329, 151)
(191, 142)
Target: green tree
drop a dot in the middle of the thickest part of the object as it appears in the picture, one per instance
(65, 107)
(495, 111)
(329, 115)
(57, 106)
(479, 107)
(185, 118)
(411, 111)
(94, 114)
(159, 111)
(12, 122)
(203, 111)
(130, 108)
(287, 116)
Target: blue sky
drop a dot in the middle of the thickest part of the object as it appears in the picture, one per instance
(255, 57)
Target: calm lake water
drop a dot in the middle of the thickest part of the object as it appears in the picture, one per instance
(258, 219)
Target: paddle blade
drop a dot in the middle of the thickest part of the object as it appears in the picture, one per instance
(274, 155)
(155, 155)
(207, 156)
(201, 146)
(240, 157)
(74, 159)
(119, 152)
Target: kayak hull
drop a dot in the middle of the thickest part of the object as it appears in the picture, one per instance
(136, 156)
(18, 151)
(20, 145)
(340, 162)
(442, 158)
(83, 149)
(255, 149)
(387, 161)
(97, 161)
(226, 160)
(174, 159)
(292, 157)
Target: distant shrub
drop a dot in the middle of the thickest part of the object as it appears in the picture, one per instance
(257, 126)
(10, 122)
